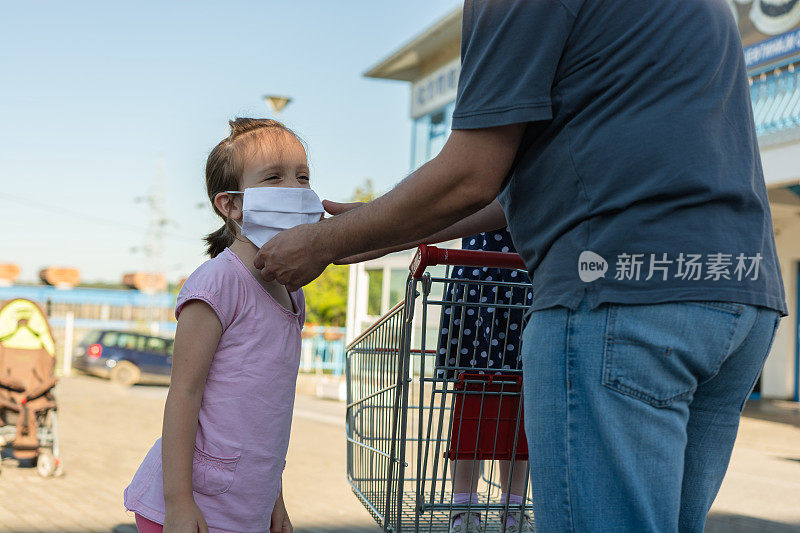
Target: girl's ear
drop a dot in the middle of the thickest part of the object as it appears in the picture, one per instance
(228, 205)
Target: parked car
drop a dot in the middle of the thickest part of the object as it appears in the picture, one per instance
(125, 358)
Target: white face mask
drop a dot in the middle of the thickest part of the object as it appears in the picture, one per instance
(270, 210)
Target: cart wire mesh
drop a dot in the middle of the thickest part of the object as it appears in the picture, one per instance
(424, 409)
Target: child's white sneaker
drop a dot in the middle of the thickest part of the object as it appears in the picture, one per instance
(460, 523)
(526, 526)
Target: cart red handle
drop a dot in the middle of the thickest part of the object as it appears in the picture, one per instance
(428, 256)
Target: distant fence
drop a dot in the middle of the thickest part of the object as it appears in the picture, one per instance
(75, 312)
(323, 350)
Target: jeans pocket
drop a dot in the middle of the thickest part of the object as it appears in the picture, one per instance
(212, 474)
(658, 353)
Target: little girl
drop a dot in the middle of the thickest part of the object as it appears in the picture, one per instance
(218, 464)
(489, 339)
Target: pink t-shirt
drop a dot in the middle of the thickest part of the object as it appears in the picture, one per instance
(246, 413)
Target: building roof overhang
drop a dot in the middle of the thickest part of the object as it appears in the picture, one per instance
(406, 63)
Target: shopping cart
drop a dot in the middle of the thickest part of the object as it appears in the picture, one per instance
(412, 412)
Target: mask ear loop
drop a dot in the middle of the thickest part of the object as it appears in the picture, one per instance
(241, 229)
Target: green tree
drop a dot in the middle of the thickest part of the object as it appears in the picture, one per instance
(364, 192)
(326, 297)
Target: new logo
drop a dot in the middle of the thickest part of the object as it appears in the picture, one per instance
(591, 266)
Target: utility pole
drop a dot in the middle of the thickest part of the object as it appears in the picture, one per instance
(153, 246)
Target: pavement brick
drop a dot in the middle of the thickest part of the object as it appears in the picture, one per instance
(106, 431)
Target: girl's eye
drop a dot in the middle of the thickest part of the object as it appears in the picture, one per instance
(271, 178)
(306, 178)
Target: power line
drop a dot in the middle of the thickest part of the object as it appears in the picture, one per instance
(50, 208)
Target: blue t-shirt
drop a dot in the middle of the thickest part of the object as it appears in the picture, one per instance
(638, 179)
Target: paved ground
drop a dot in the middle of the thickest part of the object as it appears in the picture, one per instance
(761, 491)
(106, 431)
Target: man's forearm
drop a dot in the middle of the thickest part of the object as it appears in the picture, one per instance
(429, 200)
(490, 218)
(462, 179)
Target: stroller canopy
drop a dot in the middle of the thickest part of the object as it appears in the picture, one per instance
(24, 326)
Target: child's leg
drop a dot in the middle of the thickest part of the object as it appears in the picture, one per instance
(514, 491)
(518, 477)
(147, 526)
(465, 476)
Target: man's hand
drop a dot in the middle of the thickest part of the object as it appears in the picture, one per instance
(337, 208)
(294, 257)
(462, 180)
(291, 257)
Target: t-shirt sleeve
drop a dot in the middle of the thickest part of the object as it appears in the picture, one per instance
(510, 50)
(213, 285)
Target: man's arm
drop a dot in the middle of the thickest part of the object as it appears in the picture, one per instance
(490, 218)
(462, 179)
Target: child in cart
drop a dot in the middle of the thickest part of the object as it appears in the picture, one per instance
(218, 464)
(481, 339)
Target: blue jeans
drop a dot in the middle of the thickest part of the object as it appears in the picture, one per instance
(631, 411)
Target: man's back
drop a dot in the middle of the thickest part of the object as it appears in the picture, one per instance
(638, 181)
(640, 149)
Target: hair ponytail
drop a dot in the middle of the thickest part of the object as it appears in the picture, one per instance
(217, 241)
(224, 171)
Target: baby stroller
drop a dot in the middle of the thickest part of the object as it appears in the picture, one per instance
(28, 422)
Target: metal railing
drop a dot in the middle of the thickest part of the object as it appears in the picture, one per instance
(323, 350)
(775, 96)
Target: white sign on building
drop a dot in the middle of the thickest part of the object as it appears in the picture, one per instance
(436, 89)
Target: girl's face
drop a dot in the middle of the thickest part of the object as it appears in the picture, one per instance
(277, 160)
(274, 159)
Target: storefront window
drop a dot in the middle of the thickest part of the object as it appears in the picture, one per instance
(397, 285)
(430, 133)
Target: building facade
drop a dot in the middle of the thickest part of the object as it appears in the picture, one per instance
(771, 37)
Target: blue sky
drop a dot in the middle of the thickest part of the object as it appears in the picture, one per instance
(93, 93)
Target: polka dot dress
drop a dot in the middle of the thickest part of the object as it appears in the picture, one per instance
(474, 334)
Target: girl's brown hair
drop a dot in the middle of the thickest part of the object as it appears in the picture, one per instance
(224, 169)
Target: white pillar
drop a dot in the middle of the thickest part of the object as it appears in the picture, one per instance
(385, 289)
(308, 353)
(350, 318)
(69, 329)
(357, 295)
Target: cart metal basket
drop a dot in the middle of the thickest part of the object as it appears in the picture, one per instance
(417, 415)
